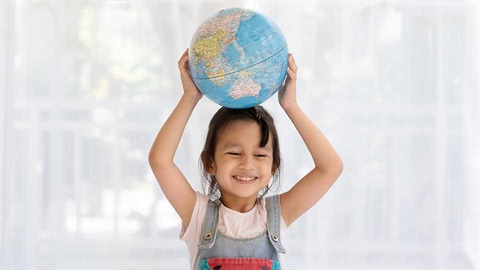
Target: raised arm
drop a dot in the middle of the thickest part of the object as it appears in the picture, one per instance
(328, 164)
(173, 183)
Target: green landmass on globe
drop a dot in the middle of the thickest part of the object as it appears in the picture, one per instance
(238, 58)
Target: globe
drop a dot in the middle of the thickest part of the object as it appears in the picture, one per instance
(238, 58)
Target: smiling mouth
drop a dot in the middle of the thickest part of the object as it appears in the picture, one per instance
(245, 178)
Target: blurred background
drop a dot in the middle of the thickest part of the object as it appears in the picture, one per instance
(86, 85)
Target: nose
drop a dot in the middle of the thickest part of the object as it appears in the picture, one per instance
(247, 163)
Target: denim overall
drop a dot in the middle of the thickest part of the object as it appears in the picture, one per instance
(217, 251)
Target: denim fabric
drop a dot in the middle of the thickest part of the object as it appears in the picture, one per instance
(214, 244)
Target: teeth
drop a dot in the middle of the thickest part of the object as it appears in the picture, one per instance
(244, 178)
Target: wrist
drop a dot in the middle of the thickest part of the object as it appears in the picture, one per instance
(192, 97)
(290, 107)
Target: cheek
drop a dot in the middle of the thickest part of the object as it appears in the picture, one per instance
(221, 167)
(268, 166)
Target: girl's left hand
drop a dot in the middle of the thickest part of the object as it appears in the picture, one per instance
(287, 95)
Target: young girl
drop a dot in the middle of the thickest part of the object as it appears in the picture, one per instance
(236, 227)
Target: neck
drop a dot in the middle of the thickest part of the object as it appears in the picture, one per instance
(240, 205)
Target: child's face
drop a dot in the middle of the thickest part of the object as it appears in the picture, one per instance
(242, 168)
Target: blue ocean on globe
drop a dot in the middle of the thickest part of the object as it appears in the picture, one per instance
(238, 58)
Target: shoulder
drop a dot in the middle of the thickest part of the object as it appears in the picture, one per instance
(275, 218)
(188, 232)
(191, 234)
(273, 204)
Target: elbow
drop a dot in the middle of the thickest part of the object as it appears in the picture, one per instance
(151, 158)
(156, 160)
(339, 166)
(334, 168)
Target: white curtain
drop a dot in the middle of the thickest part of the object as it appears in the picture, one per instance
(86, 85)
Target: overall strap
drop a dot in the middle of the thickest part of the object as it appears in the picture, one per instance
(274, 214)
(209, 225)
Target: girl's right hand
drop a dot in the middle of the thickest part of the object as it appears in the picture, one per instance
(189, 87)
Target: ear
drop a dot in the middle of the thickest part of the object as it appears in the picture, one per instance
(207, 164)
(211, 170)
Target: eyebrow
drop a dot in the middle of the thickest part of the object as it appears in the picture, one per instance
(231, 145)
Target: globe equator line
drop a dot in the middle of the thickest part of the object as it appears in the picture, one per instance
(213, 77)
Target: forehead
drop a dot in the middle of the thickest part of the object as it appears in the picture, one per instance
(241, 133)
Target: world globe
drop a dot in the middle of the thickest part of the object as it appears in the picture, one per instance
(238, 58)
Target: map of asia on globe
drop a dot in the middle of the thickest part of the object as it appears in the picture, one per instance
(238, 58)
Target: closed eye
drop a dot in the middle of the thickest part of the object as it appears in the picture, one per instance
(233, 153)
(261, 155)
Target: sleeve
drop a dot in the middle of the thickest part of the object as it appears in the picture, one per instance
(190, 234)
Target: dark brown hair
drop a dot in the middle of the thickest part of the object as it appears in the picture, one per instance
(222, 118)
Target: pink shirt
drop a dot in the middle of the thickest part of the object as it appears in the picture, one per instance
(230, 223)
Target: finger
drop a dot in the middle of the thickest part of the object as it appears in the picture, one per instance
(184, 57)
(292, 63)
(291, 74)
